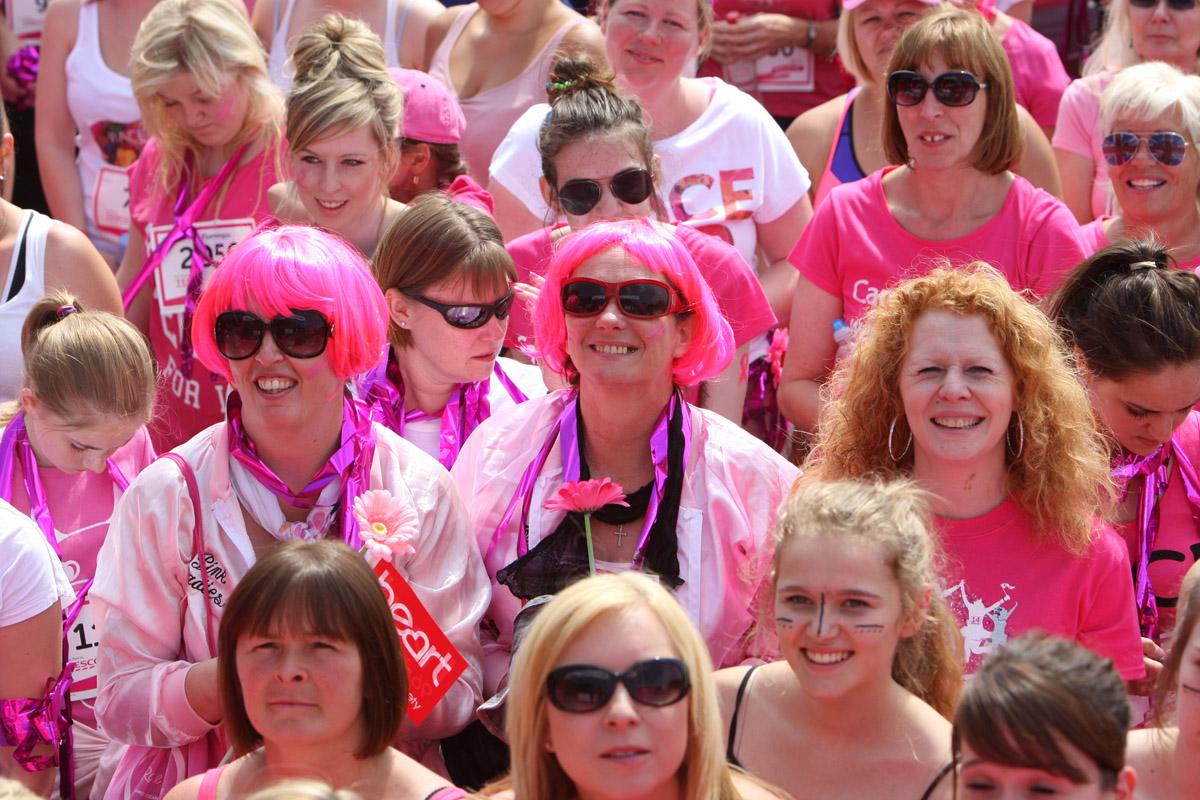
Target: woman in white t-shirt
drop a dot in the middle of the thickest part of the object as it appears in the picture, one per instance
(727, 169)
(33, 588)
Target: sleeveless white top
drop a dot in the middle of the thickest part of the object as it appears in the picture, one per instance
(280, 69)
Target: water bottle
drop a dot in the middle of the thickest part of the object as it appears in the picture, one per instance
(742, 74)
(843, 337)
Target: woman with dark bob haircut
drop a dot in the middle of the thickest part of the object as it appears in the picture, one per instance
(1047, 716)
(312, 681)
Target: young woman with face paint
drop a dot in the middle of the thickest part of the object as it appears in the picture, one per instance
(1165, 756)
(199, 187)
(961, 384)
(872, 665)
(70, 446)
(1134, 323)
(1044, 717)
(343, 113)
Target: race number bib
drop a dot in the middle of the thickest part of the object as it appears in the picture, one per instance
(788, 69)
(83, 644)
(219, 237)
(110, 200)
(26, 17)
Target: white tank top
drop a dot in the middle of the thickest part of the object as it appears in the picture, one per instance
(278, 65)
(108, 132)
(16, 299)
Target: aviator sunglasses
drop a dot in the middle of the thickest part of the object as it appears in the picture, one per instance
(1174, 5)
(468, 315)
(579, 196)
(907, 88)
(1166, 147)
(580, 688)
(304, 334)
(643, 297)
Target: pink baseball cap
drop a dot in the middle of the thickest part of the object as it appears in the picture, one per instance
(850, 5)
(431, 114)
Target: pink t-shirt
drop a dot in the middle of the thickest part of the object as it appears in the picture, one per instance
(1002, 582)
(465, 190)
(854, 248)
(791, 80)
(1078, 132)
(190, 403)
(81, 505)
(733, 283)
(1177, 545)
(1038, 75)
(1094, 238)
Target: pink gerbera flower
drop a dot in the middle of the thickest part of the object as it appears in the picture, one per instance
(587, 496)
(386, 524)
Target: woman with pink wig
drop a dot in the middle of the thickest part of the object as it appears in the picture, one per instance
(627, 320)
(290, 316)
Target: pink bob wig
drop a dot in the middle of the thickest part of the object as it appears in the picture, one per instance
(648, 243)
(295, 266)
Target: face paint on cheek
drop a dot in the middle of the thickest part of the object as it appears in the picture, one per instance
(821, 616)
(785, 622)
(869, 628)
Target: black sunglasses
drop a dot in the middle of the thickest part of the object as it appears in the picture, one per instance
(958, 88)
(1166, 147)
(643, 297)
(1174, 5)
(304, 334)
(579, 196)
(468, 315)
(580, 688)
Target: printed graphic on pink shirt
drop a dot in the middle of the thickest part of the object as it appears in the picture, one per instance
(984, 620)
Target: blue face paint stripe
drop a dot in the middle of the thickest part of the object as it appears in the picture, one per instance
(821, 616)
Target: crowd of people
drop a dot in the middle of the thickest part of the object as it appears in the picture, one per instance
(683, 399)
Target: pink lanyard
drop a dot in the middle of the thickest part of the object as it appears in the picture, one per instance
(15, 445)
(185, 227)
(383, 388)
(1155, 470)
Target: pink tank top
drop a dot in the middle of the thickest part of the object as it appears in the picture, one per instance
(208, 787)
(841, 155)
(493, 111)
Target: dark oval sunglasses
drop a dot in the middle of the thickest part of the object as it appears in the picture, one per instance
(643, 297)
(1174, 5)
(579, 196)
(1166, 147)
(304, 334)
(580, 688)
(468, 315)
(958, 88)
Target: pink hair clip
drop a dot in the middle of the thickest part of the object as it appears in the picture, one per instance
(64, 311)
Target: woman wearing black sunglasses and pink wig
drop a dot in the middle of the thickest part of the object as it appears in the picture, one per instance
(1151, 121)
(951, 131)
(448, 282)
(627, 320)
(1136, 31)
(612, 697)
(289, 317)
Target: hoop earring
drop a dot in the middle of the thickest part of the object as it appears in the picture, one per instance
(1020, 448)
(891, 447)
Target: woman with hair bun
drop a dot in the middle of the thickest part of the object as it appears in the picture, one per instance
(871, 664)
(1043, 717)
(343, 114)
(71, 444)
(199, 187)
(595, 134)
(1134, 324)
(402, 26)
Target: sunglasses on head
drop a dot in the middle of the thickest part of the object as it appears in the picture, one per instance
(643, 297)
(579, 196)
(303, 334)
(1174, 5)
(468, 315)
(1166, 147)
(580, 688)
(959, 88)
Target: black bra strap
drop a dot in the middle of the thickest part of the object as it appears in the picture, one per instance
(937, 779)
(18, 278)
(730, 755)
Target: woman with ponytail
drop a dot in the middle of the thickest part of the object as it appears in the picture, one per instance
(871, 667)
(71, 444)
(1134, 323)
(343, 116)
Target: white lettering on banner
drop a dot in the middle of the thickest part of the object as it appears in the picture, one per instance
(408, 635)
(187, 389)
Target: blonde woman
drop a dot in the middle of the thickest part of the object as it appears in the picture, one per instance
(343, 114)
(872, 666)
(612, 696)
(198, 188)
